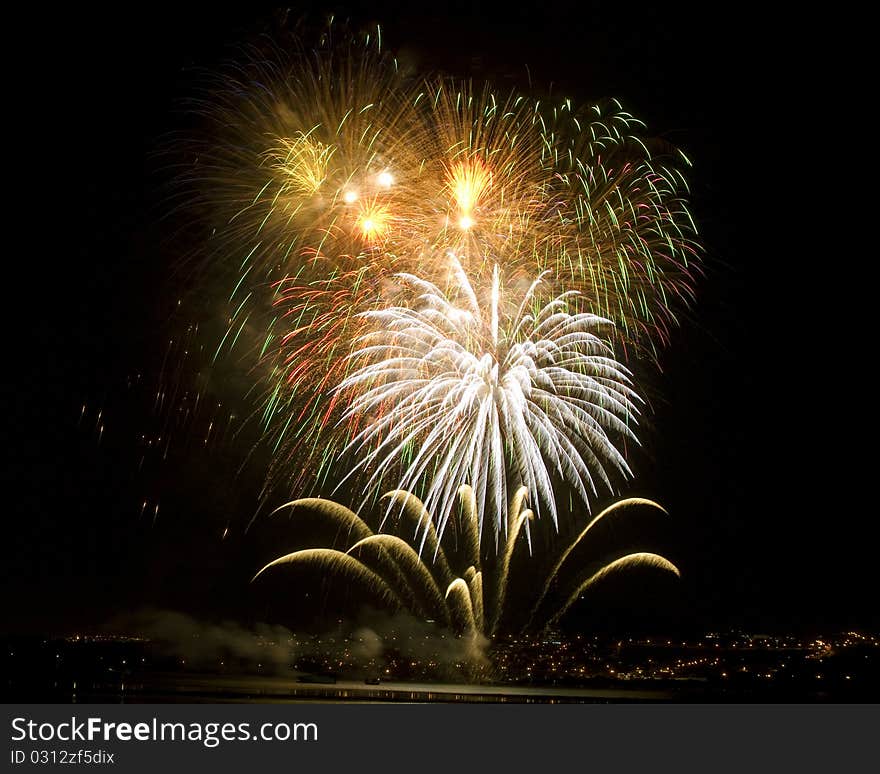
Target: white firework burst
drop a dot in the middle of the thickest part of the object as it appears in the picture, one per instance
(494, 398)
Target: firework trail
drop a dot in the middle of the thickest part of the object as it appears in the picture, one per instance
(459, 392)
(472, 598)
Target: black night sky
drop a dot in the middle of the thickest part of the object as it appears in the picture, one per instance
(750, 449)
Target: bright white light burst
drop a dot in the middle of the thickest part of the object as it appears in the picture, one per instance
(493, 395)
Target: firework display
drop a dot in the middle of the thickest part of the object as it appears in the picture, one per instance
(434, 288)
(331, 172)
